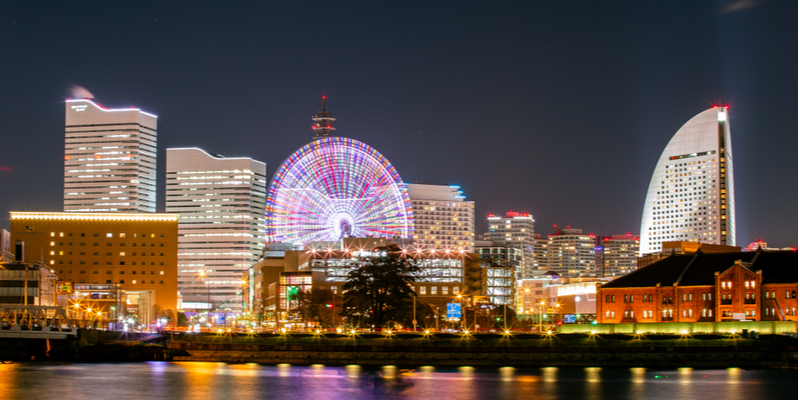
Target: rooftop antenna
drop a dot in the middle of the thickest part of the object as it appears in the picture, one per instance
(323, 121)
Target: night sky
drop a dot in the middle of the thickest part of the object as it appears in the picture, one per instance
(557, 108)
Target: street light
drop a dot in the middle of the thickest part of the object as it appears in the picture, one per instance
(208, 294)
(541, 311)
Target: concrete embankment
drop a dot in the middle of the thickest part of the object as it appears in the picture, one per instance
(572, 350)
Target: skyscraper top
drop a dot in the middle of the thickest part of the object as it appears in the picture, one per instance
(109, 159)
(323, 121)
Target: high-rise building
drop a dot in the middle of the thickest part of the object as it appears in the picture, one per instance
(618, 254)
(515, 230)
(540, 262)
(691, 197)
(442, 217)
(109, 159)
(221, 228)
(571, 253)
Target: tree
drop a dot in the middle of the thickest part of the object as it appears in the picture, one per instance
(510, 315)
(183, 320)
(313, 305)
(378, 291)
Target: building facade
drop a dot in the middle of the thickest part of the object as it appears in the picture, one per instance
(135, 251)
(618, 255)
(109, 159)
(443, 218)
(221, 227)
(515, 230)
(571, 253)
(705, 287)
(691, 194)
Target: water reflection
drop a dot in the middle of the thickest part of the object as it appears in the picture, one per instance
(160, 380)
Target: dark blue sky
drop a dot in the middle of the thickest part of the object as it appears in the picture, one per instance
(558, 108)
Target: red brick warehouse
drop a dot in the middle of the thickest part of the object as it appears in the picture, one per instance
(699, 287)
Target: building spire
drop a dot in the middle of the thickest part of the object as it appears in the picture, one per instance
(323, 121)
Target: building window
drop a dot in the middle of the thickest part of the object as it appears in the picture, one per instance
(613, 298)
(134, 281)
(433, 290)
(423, 290)
(444, 290)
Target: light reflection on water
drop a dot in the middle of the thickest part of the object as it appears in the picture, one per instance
(162, 380)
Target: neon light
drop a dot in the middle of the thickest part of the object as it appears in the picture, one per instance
(161, 217)
(99, 107)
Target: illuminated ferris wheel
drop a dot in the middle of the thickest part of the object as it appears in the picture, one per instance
(336, 187)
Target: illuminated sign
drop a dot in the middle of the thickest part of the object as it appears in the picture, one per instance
(364, 253)
(453, 310)
(65, 287)
(78, 108)
(292, 292)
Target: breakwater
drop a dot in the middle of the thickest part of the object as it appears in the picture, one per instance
(563, 350)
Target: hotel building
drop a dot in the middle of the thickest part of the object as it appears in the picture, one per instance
(221, 229)
(135, 251)
(515, 230)
(109, 159)
(691, 197)
(618, 255)
(571, 253)
(443, 219)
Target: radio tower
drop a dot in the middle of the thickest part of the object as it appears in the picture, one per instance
(322, 122)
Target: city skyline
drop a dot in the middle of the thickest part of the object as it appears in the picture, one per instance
(509, 112)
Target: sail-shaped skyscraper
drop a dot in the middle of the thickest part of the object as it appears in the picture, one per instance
(691, 197)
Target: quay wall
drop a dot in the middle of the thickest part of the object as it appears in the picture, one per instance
(497, 351)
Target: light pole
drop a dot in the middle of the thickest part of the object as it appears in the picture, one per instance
(415, 311)
(505, 312)
(541, 311)
(208, 296)
(463, 314)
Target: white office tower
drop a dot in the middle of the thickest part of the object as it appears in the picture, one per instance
(109, 159)
(515, 230)
(691, 195)
(571, 253)
(443, 219)
(221, 226)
